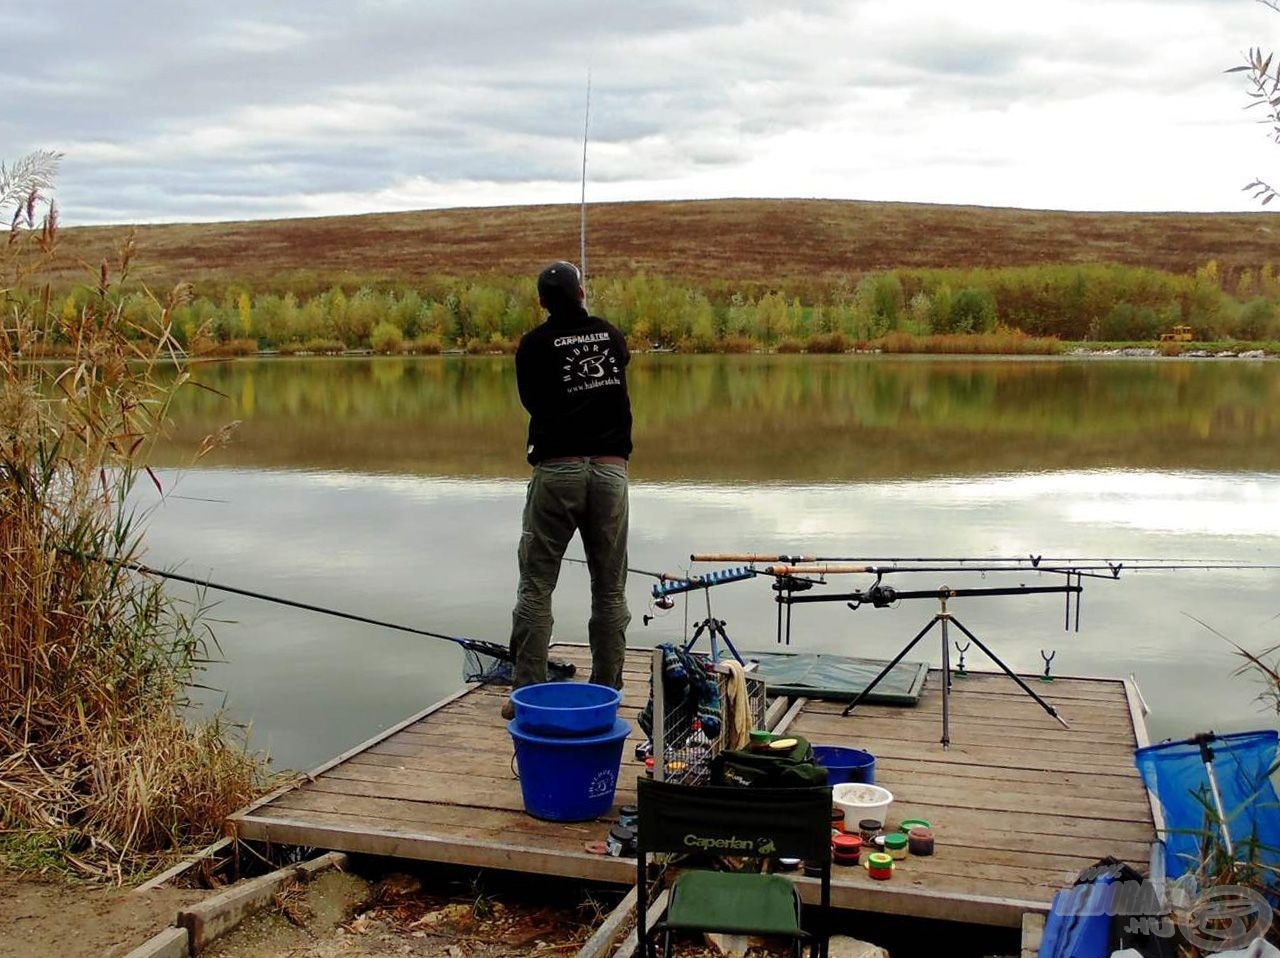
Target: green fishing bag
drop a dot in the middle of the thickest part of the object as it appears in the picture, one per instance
(795, 767)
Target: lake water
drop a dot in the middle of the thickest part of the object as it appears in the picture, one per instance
(392, 488)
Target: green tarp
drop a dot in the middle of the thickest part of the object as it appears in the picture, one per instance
(841, 677)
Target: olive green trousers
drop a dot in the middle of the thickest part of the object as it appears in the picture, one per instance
(589, 498)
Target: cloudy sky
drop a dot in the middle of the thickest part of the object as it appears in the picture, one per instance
(169, 110)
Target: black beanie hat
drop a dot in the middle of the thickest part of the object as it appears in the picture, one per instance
(559, 283)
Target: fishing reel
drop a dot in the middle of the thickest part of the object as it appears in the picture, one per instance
(879, 596)
(791, 583)
(663, 603)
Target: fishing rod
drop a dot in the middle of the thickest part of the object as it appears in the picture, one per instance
(660, 576)
(1145, 562)
(1109, 570)
(586, 126)
(477, 646)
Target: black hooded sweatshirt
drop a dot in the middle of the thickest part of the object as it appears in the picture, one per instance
(572, 376)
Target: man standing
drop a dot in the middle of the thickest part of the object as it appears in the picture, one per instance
(571, 373)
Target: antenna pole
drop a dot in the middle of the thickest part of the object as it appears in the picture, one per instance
(586, 126)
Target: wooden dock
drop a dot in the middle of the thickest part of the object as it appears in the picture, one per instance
(1019, 804)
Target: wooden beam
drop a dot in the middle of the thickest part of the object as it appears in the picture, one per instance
(784, 723)
(602, 940)
(394, 843)
(170, 943)
(166, 876)
(651, 917)
(1032, 934)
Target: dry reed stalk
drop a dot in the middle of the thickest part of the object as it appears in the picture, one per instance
(96, 762)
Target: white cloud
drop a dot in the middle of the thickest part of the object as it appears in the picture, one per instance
(1077, 104)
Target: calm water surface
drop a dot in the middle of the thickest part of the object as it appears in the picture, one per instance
(393, 488)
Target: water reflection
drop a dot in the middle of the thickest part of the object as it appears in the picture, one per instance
(393, 489)
(759, 419)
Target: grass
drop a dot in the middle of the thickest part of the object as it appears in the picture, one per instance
(1003, 342)
(739, 243)
(101, 775)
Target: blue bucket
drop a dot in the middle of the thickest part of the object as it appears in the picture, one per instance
(575, 709)
(846, 764)
(569, 779)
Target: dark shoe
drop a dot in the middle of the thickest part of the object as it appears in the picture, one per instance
(508, 710)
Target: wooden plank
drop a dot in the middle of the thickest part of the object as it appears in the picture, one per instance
(1098, 788)
(428, 817)
(1037, 884)
(356, 749)
(652, 916)
(995, 758)
(975, 715)
(469, 786)
(507, 797)
(969, 696)
(602, 938)
(777, 708)
(170, 943)
(958, 831)
(905, 788)
(993, 826)
(1015, 778)
(927, 724)
(1077, 748)
(1143, 740)
(788, 717)
(918, 727)
(320, 831)
(221, 846)
(938, 873)
(210, 919)
(1004, 907)
(974, 754)
(1061, 690)
(1032, 934)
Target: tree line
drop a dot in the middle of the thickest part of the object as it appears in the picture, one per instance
(1100, 303)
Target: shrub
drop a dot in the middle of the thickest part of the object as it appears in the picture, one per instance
(697, 343)
(790, 345)
(1001, 342)
(827, 343)
(386, 338)
(232, 347)
(738, 344)
(291, 348)
(429, 345)
(972, 311)
(100, 768)
(1257, 320)
(324, 347)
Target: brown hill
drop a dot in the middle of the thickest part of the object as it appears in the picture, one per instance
(736, 242)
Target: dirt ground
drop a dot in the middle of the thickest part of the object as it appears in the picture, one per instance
(342, 914)
(369, 912)
(51, 919)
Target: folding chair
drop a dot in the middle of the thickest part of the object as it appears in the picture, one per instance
(737, 823)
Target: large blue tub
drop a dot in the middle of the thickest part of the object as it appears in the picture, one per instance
(845, 764)
(573, 709)
(568, 779)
